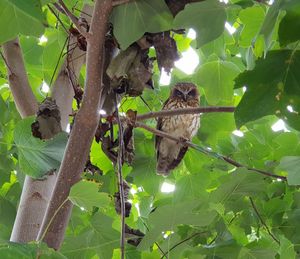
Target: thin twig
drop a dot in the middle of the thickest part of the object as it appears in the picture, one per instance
(158, 246)
(50, 222)
(262, 221)
(57, 64)
(181, 242)
(59, 8)
(58, 19)
(121, 2)
(167, 113)
(120, 180)
(74, 19)
(205, 151)
(87, 14)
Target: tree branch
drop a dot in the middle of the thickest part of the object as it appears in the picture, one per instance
(121, 2)
(262, 221)
(74, 20)
(83, 131)
(18, 80)
(35, 194)
(167, 113)
(181, 242)
(120, 181)
(205, 151)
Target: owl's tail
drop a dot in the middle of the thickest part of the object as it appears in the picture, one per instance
(162, 167)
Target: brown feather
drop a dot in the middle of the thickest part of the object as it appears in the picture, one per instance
(169, 153)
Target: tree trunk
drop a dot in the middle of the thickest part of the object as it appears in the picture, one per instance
(36, 193)
(82, 134)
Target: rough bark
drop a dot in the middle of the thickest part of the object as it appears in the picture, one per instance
(83, 131)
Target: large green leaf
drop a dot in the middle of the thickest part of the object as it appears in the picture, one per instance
(98, 238)
(207, 18)
(289, 26)
(252, 19)
(14, 250)
(86, 195)
(273, 85)
(216, 78)
(291, 165)
(23, 17)
(268, 25)
(37, 157)
(132, 20)
(169, 216)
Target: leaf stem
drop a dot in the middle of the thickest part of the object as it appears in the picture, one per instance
(262, 221)
(181, 242)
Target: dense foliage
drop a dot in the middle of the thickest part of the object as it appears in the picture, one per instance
(216, 209)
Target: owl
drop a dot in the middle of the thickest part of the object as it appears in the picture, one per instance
(169, 153)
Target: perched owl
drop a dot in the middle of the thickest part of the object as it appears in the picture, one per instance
(169, 153)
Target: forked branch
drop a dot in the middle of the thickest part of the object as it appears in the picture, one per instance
(74, 19)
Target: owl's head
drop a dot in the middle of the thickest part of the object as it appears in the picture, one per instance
(185, 92)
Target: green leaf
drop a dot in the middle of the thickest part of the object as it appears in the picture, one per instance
(140, 16)
(217, 80)
(207, 18)
(98, 238)
(27, 251)
(271, 87)
(289, 26)
(51, 57)
(86, 195)
(169, 216)
(268, 25)
(16, 14)
(37, 157)
(291, 164)
(286, 249)
(252, 19)
(238, 185)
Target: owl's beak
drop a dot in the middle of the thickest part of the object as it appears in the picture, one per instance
(185, 97)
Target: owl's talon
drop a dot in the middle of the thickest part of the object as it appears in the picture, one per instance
(183, 140)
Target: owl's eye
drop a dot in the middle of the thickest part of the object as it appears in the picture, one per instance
(178, 93)
(192, 93)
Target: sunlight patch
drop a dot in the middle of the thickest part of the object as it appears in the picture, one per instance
(45, 87)
(165, 77)
(238, 133)
(230, 28)
(191, 34)
(43, 39)
(102, 112)
(290, 108)
(68, 129)
(188, 62)
(167, 187)
(279, 125)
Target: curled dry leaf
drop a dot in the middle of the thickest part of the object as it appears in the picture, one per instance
(92, 169)
(133, 236)
(166, 50)
(131, 71)
(126, 188)
(47, 123)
